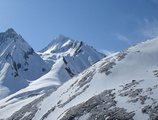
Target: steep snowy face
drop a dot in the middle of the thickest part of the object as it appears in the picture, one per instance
(19, 64)
(65, 46)
(69, 57)
(122, 86)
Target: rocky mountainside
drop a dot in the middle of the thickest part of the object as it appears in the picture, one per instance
(122, 86)
(29, 73)
(19, 64)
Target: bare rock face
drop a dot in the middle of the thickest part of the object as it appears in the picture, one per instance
(30, 108)
(100, 107)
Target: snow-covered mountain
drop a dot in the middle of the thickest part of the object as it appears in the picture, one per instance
(122, 86)
(19, 64)
(68, 57)
(21, 67)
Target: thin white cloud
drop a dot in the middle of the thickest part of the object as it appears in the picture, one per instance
(107, 52)
(150, 28)
(124, 39)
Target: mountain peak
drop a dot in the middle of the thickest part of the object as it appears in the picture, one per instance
(61, 37)
(10, 33)
(57, 43)
(10, 30)
(11, 39)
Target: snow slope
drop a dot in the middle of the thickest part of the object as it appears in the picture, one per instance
(19, 64)
(122, 86)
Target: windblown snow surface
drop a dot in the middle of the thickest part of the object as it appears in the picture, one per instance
(122, 86)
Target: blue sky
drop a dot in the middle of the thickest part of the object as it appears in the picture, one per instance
(108, 25)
